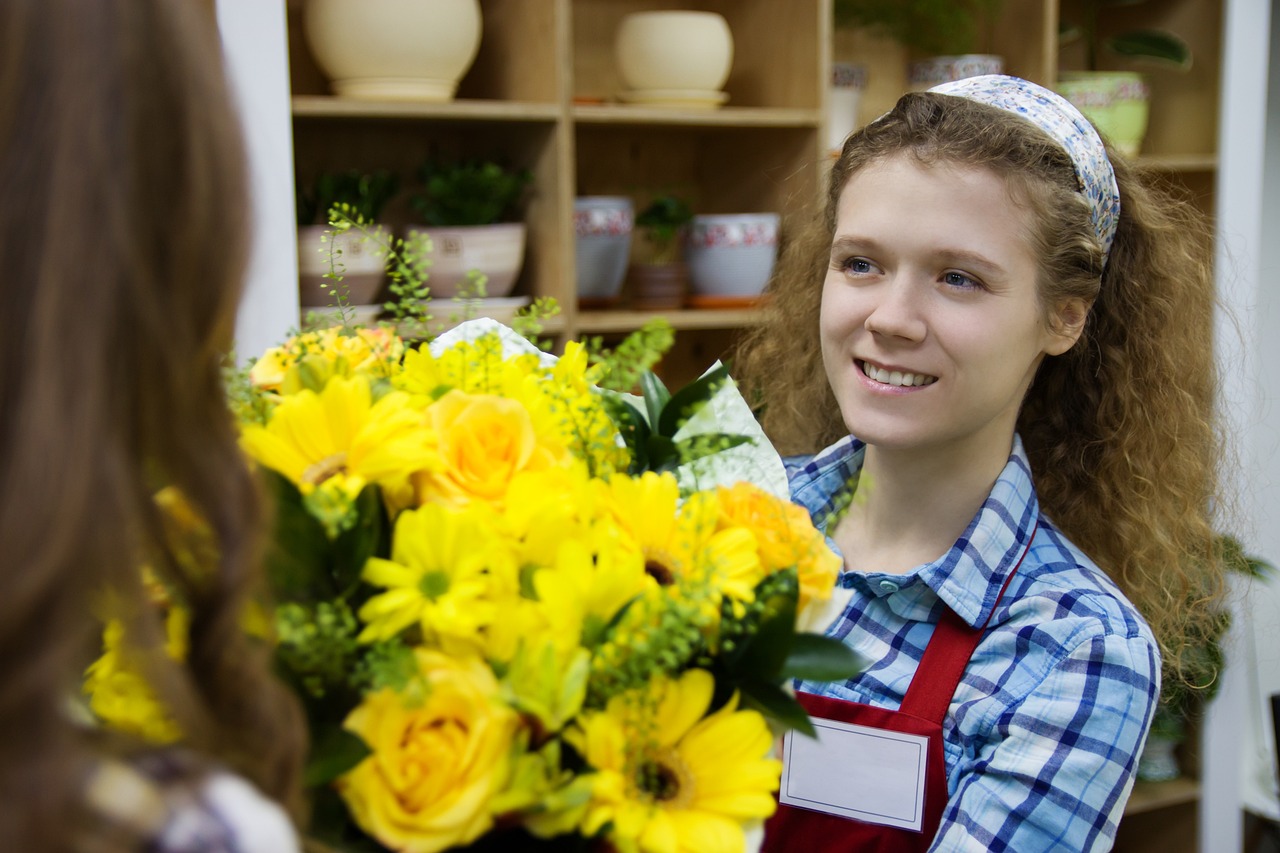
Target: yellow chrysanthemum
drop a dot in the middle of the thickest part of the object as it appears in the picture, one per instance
(341, 435)
(672, 779)
(785, 537)
(450, 573)
(325, 353)
(483, 442)
(585, 589)
(120, 697)
(474, 367)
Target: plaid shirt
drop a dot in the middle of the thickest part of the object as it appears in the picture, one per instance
(1043, 734)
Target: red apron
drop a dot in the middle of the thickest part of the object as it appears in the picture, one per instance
(922, 712)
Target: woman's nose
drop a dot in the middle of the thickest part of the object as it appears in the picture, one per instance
(897, 310)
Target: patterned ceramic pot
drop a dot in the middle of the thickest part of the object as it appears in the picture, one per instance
(1115, 101)
(361, 262)
(602, 229)
(927, 73)
(731, 255)
(459, 253)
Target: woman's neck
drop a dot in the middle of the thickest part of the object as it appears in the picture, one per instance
(912, 506)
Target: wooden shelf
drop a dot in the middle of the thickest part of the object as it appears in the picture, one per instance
(1151, 796)
(680, 319)
(623, 114)
(326, 106)
(1185, 163)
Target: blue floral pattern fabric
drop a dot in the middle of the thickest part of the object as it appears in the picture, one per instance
(1059, 118)
(1043, 734)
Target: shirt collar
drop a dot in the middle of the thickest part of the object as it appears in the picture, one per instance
(970, 576)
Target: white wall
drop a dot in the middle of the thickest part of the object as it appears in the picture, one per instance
(1236, 767)
(255, 40)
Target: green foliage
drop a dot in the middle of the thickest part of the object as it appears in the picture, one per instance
(927, 27)
(469, 193)
(661, 224)
(1158, 46)
(364, 193)
(634, 356)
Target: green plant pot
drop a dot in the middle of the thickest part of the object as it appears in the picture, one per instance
(1115, 101)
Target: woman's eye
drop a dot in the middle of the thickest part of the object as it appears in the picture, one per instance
(959, 279)
(858, 266)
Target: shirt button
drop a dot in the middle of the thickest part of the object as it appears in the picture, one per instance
(888, 587)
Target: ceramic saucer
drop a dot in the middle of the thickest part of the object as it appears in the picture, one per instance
(681, 98)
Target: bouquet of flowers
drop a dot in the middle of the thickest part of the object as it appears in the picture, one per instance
(521, 610)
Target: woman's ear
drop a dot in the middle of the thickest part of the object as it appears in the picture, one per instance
(1066, 325)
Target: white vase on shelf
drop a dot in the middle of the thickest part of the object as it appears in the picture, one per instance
(678, 58)
(397, 50)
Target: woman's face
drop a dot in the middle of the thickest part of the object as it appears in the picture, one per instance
(931, 327)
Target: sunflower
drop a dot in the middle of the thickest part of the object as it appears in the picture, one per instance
(670, 778)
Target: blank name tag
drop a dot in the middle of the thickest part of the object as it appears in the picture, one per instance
(868, 774)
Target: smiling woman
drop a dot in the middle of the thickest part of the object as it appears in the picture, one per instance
(983, 324)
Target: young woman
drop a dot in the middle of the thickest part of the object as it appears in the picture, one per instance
(122, 197)
(1003, 335)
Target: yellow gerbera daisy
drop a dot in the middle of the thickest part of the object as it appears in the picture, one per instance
(672, 779)
(341, 434)
(449, 573)
(335, 351)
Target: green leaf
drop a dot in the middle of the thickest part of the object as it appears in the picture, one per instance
(815, 657)
(629, 420)
(763, 653)
(685, 402)
(776, 704)
(297, 558)
(1157, 45)
(661, 454)
(656, 396)
(335, 752)
(708, 444)
(369, 537)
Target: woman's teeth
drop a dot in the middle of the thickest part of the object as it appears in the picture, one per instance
(896, 377)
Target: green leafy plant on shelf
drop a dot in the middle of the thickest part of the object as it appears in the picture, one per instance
(661, 225)
(926, 27)
(1155, 46)
(470, 192)
(363, 193)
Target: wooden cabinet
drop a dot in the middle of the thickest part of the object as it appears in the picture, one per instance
(542, 95)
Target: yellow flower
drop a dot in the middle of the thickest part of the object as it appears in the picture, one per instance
(335, 351)
(484, 441)
(118, 694)
(340, 434)
(473, 367)
(437, 764)
(785, 537)
(449, 571)
(672, 779)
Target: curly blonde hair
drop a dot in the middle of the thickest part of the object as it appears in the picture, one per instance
(1121, 430)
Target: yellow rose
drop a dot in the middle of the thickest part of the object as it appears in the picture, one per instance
(438, 763)
(785, 537)
(484, 442)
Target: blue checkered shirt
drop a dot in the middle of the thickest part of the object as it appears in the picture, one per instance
(1044, 731)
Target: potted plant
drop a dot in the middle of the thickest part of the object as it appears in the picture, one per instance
(659, 276)
(353, 261)
(941, 35)
(1182, 699)
(1116, 101)
(470, 213)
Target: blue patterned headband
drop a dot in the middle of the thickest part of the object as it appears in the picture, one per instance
(1056, 116)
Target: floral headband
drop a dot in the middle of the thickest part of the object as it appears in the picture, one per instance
(1056, 116)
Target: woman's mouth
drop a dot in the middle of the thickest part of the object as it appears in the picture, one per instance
(896, 378)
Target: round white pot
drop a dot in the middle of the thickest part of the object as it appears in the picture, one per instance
(731, 256)
(674, 51)
(362, 264)
(602, 229)
(394, 49)
(495, 251)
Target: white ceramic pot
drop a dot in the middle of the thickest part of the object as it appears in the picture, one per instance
(602, 230)
(496, 251)
(674, 51)
(394, 49)
(936, 70)
(363, 265)
(731, 256)
(848, 81)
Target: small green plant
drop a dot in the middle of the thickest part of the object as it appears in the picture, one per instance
(661, 224)
(926, 27)
(469, 193)
(1157, 46)
(364, 193)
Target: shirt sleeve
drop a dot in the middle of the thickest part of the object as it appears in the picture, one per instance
(227, 815)
(1058, 767)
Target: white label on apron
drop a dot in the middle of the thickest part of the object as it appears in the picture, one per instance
(868, 774)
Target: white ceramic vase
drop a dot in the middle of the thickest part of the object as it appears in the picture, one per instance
(361, 262)
(457, 253)
(674, 52)
(731, 257)
(401, 50)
